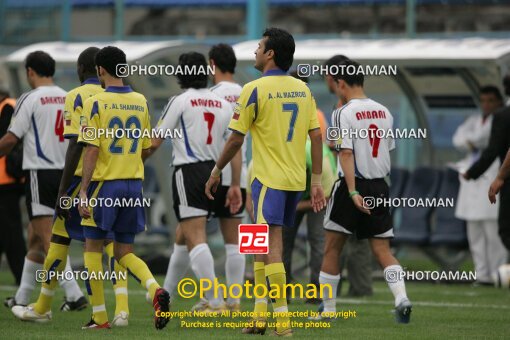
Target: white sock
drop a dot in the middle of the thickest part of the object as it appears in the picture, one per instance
(72, 290)
(179, 263)
(234, 270)
(27, 284)
(394, 277)
(202, 263)
(329, 298)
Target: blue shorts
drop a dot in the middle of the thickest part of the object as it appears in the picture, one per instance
(71, 227)
(272, 206)
(109, 214)
(96, 233)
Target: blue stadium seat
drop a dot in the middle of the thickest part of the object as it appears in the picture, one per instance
(415, 224)
(150, 183)
(448, 230)
(398, 178)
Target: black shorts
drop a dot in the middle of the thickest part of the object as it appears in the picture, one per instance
(343, 216)
(188, 187)
(41, 190)
(219, 208)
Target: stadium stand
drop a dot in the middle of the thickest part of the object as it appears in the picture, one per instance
(416, 222)
(448, 230)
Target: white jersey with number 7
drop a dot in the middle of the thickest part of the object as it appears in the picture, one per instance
(364, 126)
(203, 118)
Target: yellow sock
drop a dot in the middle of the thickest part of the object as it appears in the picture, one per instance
(94, 264)
(139, 270)
(260, 309)
(119, 284)
(55, 261)
(275, 273)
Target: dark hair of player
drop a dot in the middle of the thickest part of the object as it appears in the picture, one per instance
(196, 80)
(224, 57)
(491, 89)
(352, 78)
(282, 43)
(109, 57)
(86, 59)
(335, 60)
(41, 62)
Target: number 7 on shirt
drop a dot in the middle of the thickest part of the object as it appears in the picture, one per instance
(294, 109)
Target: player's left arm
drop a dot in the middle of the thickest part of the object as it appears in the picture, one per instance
(314, 132)
(146, 141)
(503, 174)
(73, 154)
(73, 109)
(318, 200)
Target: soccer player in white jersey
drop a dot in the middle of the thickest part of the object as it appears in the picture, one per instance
(364, 163)
(203, 118)
(223, 58)
(39, 121)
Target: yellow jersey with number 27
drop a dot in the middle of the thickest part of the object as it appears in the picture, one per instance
(117, 122)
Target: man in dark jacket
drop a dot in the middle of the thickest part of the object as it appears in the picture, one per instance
(12, 242)
(499, 145)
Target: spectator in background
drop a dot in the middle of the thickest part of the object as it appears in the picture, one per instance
(11, 189)
(472, 137)
(499, 144)
(356, 256)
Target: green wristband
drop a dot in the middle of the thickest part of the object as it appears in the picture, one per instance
(352, 193)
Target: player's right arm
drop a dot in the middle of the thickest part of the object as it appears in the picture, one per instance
(316, 192)
(91, 153)
(168, 121)
(347, 163)
(72, 112)
(245, 113)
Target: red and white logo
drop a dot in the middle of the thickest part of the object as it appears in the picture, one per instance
(253, 239)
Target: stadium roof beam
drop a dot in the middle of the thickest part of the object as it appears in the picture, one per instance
(256, 18)
(475, 61)
(411, 18)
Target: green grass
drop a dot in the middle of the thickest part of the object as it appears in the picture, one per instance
(440, 311)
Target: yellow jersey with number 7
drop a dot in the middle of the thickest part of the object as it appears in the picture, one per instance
(279, 111)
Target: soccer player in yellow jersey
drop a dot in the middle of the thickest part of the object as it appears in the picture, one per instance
(113, 169)
(67, 221)
(279, 111)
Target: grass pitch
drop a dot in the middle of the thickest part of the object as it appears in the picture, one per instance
(440, 311)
